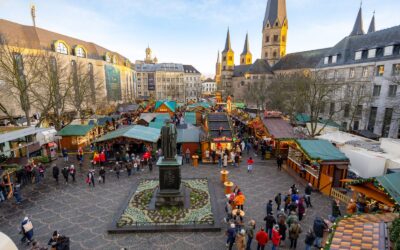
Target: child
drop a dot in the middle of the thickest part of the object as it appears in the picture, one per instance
(250, 163)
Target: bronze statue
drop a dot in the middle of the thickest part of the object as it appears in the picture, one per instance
(168, 141)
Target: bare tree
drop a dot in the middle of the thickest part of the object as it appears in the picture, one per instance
(18, 72)
(256, 93)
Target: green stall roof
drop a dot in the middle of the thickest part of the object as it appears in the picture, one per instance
(138, 132)
(302, 118)
(239, 105)
(199, 104)
(391, 183)
(171, 105)
(190, 118)
(321, 150)
(75, 130)
(157, 124)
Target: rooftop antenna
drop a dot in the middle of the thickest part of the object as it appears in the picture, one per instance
(33, 14)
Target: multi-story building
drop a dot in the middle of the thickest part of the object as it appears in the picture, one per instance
(171, 81)
(371, 61)
(192, 83)
(111, 77)
(208, 87)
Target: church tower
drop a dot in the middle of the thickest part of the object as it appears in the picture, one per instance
(246, 56)
(275, 27)
(228, 56)
(218, 70)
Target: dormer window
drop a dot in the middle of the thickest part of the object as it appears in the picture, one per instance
(358, 55)
(388, 50)
(80, 52)
(371, 53)
(334, 59)
(326, 59)
(61, 48)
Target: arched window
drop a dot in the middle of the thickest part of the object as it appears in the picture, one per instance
(61, 48)
(80, 52)
(108, 57)
(274, 54)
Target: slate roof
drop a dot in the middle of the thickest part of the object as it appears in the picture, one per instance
(358, 28)
(372, 25)
(227, 42)
(246, 48)
(240, 70)
(321, 150)
(170, 67)
(217, 120)
(38, 38)
(123, 108)
(279, 128)
(260, 66)
(348, 46)
(301, 60)
(190, 69)
(188, 135)
(365, 231)
(276, 9)
(75, 130)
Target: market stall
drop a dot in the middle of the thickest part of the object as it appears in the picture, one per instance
(76, 136)
(318, 162)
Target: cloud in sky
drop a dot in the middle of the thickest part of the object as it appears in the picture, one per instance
(191, 31)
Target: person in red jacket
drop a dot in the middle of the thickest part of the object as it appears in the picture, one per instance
(102, 158)
(262, 239)
(250, 163)
(276, 237)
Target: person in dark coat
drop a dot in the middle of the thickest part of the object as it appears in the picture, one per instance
(269, 224)
(102, 174)
(150, 165)
(56, 173)
(65, 173)
(269, 207)
(301, 210)
(278, 201)
(310, 238)
(335, 210)
(319, 227)
(279, 162)
(231, 235)
(307, 193)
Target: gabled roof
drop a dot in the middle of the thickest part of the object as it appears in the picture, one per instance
(301, 60)
(321, 150)
(279, 128)
(260, 66)
(391, 183)
(191, 134)
(137, 132)
(171, 105)
(75, 130)
(276, 10)
(358, 28)
(240, 70)
(190, 69)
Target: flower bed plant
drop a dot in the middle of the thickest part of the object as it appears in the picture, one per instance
(199, 212)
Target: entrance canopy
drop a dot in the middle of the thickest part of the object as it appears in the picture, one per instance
(137, 132)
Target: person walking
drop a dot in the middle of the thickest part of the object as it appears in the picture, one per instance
(117, 169)
(56, 173)
(335, 211)
(269, 224)
(308, 190)
(250, 233)
(301, 210)
(102, 174)
(250, 163)
(220, 160)
(262, 239)
(129, 168)
(236, 160)
(187, 156)
(17, 192)
(231, 235)
(26, 230)
(225, 160)
(279, 162)
(150, 165)
(239, 200)
(65, 154)
(278, 201)
(282, 226)
(90, 178)
(269, 207)
(41, 171)
(276, 237)
(294, 233)
(241, 240)
(292, 219)
(319, 227)
(309, 240)
(72, 172)
(65, 174)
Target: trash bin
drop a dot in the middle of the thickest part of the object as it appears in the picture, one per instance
(195, 160)
(224, 175)
(267, 155)
(228, 187)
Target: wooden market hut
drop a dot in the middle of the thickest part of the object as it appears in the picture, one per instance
(133, 137)
(218, 133)
(189, 138)
(75, 136)
(383, 189)
(319, 163)
(281, 134)
(165, 107)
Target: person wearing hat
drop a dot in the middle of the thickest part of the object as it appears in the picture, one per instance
(276, 237)
(250, 233)
(26, 230)
(241, 240)
(231, 235)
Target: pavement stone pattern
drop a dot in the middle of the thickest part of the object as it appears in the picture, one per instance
(84, 213)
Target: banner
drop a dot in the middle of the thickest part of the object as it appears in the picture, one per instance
(113, 83)
(151, 82)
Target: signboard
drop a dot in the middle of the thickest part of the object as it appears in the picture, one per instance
(222, 139)
(151, 83)
(113, 83)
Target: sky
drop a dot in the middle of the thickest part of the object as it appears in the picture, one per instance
(192, 31)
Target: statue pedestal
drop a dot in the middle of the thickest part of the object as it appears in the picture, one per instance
(170, 191)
